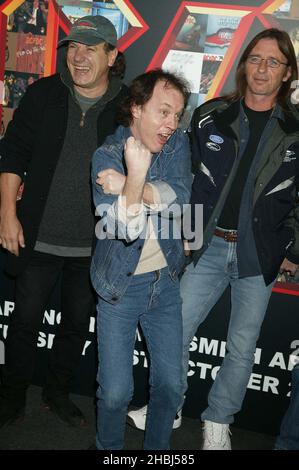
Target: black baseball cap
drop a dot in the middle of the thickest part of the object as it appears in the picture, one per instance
(91, 30)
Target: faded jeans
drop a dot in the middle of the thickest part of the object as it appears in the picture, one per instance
(201, 287)
(152, 299)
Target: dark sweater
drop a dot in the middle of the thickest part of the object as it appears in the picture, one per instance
(67, 226)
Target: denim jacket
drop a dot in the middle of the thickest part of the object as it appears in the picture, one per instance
(116, 256)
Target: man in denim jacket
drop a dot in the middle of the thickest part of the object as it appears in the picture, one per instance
(141, 178)
(245, 153)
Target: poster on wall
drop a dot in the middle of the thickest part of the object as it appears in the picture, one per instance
(199, 48)
(24, 52)
(220, 33)
(30, 17)
(191, 37)
(185, 63)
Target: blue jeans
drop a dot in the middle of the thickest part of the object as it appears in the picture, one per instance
(152, 299)
(288, 438)
(201, 287)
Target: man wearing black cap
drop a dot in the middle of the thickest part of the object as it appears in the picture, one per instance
(59, 123)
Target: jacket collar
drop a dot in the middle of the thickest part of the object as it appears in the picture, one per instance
(112, 91)
(287, 119)
(226, 115)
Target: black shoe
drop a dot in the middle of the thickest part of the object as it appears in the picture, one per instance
(65, 409)
(10, 412)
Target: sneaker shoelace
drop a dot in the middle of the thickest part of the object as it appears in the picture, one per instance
(215, 432)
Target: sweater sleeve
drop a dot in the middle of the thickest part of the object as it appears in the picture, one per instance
(17, 145)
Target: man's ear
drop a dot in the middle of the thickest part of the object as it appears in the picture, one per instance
(112, 57)
(287, 74)
(136, 111)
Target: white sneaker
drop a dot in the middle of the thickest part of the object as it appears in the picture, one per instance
(137, 418)
(216, 436)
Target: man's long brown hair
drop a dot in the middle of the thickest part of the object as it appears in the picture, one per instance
(285, 46)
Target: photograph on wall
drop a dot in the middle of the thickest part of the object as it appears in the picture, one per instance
(192, 34)
(284, 9)
(294, 10)
(210, 66)
(75, 12)
(186, 64)
(291, 25)
(30, 17)
(220, 33)
(15, 85)
(288, 9)
(294, 35)
(112, 13)
(30, 53)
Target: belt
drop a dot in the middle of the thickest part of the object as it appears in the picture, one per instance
(228, 235)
